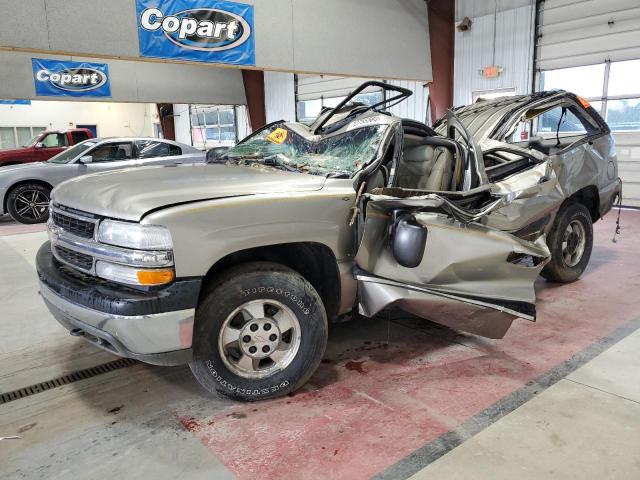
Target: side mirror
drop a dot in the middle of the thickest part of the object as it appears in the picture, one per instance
(215, 153)
(39, 145)
(86, 159)
(408, 241)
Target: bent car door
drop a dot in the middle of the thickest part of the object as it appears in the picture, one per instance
(416, 257)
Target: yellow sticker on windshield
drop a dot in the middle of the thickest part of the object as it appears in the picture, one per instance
(279, 135)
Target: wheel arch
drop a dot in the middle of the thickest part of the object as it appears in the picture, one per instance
(23, 182)
(315, 261)
(589, 197)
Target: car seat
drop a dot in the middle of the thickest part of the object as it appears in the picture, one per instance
(426, 167)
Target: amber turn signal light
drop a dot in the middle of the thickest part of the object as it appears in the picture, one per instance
(155, 277)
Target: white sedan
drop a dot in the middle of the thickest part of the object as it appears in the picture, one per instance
(25, 189)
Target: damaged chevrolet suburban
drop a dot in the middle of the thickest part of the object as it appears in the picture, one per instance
(237, 266)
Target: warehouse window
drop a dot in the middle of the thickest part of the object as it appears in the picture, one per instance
(212, 125)
(12, 137)
(611, 88)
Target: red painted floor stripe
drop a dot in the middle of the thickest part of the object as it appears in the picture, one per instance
(9, 227)
(354, 422)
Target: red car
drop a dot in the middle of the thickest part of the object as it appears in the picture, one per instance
(44, 146)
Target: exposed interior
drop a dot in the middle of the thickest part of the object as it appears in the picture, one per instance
(553, 128)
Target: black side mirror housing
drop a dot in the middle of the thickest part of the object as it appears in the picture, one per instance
(408, 240)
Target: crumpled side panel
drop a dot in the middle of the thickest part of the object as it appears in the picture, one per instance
(467, 270)
(473, 318)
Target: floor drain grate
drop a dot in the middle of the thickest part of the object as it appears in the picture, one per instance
(66, 379)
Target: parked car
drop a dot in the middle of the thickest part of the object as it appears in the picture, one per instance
(43, 146)
(25, 189)
(236, 267)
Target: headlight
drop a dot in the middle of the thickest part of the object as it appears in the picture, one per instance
(133, 275)
(135, 235)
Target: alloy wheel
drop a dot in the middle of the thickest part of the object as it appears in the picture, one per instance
(259, 338)
(32, 204)
(573, 243)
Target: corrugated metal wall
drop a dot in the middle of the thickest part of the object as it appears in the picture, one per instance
(586, 32)
(280, 99)
(513, 52)
(415, 107)
(279, 96)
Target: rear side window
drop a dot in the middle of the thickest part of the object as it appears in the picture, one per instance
(554, 120)
(79, 137)
(151, 149)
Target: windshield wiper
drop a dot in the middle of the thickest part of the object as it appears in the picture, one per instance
(270, 161)
(275, 162)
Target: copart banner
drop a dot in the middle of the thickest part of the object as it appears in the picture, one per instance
(56, 78)
(217, 32)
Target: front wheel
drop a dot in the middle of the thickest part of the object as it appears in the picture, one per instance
(570, 242)
(29, 203)
(260, 333)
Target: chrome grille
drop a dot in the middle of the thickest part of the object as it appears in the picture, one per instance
(76, 226)
(77, 259)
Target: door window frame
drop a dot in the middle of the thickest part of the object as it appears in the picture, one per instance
(104, 144)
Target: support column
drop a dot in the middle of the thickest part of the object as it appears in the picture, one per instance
(254, 90)
(441, 37)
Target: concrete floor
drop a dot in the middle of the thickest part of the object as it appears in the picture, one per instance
(395, 397)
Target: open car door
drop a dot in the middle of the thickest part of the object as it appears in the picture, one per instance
(431, 254)
(469, 277)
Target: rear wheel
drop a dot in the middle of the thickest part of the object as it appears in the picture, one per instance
(570, 242)
(260, 333)
(29, 203)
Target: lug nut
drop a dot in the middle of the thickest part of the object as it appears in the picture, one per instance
(246, 339)
(267, 326)
(253, 349)
(273, 337)
(265, 349)
(253, 327)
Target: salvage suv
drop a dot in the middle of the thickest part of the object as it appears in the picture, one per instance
(237, 266)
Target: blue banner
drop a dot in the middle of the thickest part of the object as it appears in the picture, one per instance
(201, 31)
(55, 78)
(15, 102)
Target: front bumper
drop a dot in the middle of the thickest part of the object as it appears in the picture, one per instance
(154, 327)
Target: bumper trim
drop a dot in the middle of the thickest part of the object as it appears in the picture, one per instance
(110, 298)
(161, 339)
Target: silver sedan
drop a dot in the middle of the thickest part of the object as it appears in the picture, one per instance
(25, 189)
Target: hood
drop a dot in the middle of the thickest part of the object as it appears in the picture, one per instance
(24, 166)
(129, 194)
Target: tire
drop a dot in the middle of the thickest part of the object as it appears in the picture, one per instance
(34, 197)
(564, 265)
(223, 364)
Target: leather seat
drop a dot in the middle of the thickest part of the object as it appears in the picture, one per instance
(426, 167)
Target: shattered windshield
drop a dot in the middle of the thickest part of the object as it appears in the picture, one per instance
(281, 147)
